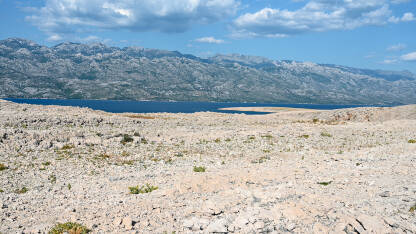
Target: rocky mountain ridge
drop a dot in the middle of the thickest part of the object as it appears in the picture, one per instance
(96, 71)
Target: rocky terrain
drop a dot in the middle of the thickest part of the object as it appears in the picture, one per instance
(96, 71)
(342, 171)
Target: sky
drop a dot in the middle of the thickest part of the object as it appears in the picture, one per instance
(374, 34)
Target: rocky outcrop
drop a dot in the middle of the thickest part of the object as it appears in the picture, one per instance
(278, 173)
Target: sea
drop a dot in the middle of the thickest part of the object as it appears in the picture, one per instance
(115, 106)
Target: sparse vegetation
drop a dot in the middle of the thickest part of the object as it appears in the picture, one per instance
(126, 139)
(102, 156)
(67, 147)
(70, 228)
(325, 134)
(325, 183)
(304, 136)
(52, 179)
(46, 164)
(412, 141)
(261, 159)
(228, 139)
(199, 169)
(315, 120)
(143, 140)
(142, 189)
(21, 191)
(218, 140)
(69, 186)
(268, 136)
(3, 167)
(412, 208)
(251, 137)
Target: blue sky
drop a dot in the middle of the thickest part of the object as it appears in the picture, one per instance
(376, 34)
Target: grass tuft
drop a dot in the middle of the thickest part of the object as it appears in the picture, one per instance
(70, 228)
(67, 147)
(325, 183)
(126, 139)
(199, 169)
(3, 167)
(21, 191)
(142, 189)
(325, 134)
(412, 208)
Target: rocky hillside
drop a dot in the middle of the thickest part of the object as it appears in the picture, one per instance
(96, 71)
(286, 172)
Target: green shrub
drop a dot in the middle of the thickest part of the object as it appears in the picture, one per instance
(411, 141)
(199, 169)
(3, 167)
(325, 134)
(315, 120)
(143, 141)
(142, 189)
(70, 228)
(412, 208)
(304, 136)
(325, 183)
(126, 139)
(218, 140)
(52, 179)
(67, 147)
(261, 159)
(21, 191)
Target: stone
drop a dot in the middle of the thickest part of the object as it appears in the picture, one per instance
(127, 222)
(218, 226)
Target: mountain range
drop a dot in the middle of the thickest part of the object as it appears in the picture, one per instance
(96, 71)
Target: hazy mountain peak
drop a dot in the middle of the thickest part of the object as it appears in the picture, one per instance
(96, 71)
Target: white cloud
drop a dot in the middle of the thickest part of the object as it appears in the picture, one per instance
(398, 47)
(316, 16)
(69, 16)
(409, 56)
(54, 37)
(405, 18)
(210, 40)
(389, 61)
(408, 17)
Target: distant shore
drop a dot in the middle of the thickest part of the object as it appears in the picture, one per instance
(266, 109)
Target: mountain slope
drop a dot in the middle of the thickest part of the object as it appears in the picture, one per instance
(96, 71)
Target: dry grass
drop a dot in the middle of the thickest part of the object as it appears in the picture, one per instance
(134, 116)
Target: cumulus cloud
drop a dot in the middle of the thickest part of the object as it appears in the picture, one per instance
(398, 47)
(409, 56)
(210, 40)
(407, 17)
(69, 16)
(317, 16)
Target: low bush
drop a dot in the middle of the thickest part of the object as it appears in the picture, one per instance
(142, 189)
(70, 228)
